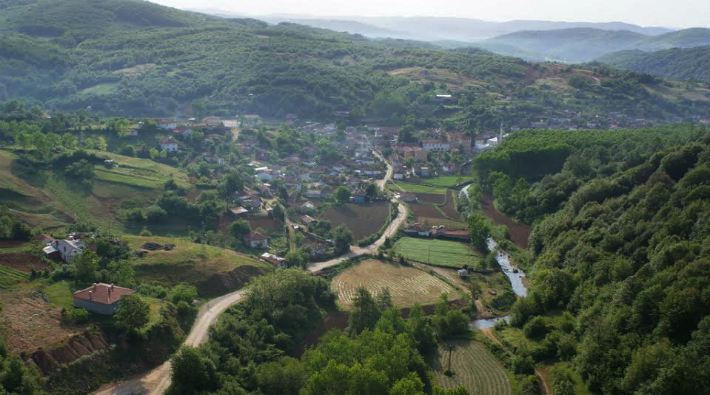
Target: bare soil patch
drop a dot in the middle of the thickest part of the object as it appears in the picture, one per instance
(426, 211)
(362, 219)
(23, 261)
(12, 243)
(334, 320)
(193, 195)
(519, 233)
(266, 223)
(431, 198)
(450, 207)
(28, 322)
(222, 283)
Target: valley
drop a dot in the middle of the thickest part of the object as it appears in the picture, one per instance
(207, 203)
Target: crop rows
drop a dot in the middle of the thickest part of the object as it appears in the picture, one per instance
(475, 369)
(406, 285)
(10, 277)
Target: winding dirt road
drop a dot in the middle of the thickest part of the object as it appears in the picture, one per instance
(157, 380)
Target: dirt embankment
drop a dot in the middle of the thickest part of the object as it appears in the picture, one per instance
(334, 320)
(47, 360)
(23, 261)
(519, 233)
(222, 283)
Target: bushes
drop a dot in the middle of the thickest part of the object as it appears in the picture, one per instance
(504, 300)
(75, 316)
(535, 328)
(156, 214)
(13, 229)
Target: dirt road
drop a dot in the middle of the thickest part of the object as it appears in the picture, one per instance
(356, 251)
(157, 381)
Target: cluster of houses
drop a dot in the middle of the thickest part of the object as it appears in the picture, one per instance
(99, 298)
(412, 160)
(300, 173)
(186, 128)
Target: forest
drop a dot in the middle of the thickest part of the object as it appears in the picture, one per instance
(251, 349)
(675, 63)
(620, 242)
(139, 59)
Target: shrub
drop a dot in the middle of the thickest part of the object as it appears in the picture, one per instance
(535, 328)
(75, 316)
(156, 214)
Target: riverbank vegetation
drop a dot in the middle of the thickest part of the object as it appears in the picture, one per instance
(619, 247)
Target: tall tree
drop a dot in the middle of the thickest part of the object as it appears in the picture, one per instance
(133, 313)
(366, 312)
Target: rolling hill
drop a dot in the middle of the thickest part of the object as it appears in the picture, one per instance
(134, 58)
(675, 63)
(464, 30)
(585, 44)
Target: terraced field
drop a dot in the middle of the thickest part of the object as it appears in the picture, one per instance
(474, 367)
(406, 284)
(10, 277)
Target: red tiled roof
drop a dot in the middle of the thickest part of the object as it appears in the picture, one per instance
(103, 293)
(45, 237)
(255, 236)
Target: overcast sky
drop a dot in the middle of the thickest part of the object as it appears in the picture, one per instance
(668, 13)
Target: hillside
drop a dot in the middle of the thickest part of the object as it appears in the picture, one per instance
(137, 59)
(619, 240)
(46, 198)
(585, 44)
(675, 63)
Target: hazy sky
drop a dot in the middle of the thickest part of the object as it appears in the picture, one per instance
(668, 13)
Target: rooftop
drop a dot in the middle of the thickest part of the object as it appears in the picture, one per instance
(103, 293)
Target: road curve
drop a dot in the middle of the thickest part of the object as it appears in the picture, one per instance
(157, 380)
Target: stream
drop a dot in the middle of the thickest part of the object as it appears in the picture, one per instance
(514, 274)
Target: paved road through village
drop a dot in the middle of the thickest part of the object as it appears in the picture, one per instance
(157, 380)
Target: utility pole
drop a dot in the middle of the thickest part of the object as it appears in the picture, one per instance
(451, 348)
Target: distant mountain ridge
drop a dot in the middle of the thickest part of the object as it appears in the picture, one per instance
(586, 44)
(437, 28)
(675, 63)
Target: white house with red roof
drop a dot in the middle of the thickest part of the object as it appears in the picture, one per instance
(101, 298)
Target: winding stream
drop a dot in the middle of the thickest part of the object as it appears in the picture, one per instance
(514, 274)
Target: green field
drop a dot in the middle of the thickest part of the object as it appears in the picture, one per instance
(417, 188)
(9, 277)
(447, 181)
(436, 252)
(60, 293)
(188, 263)
(139, 172)
(474, 367)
